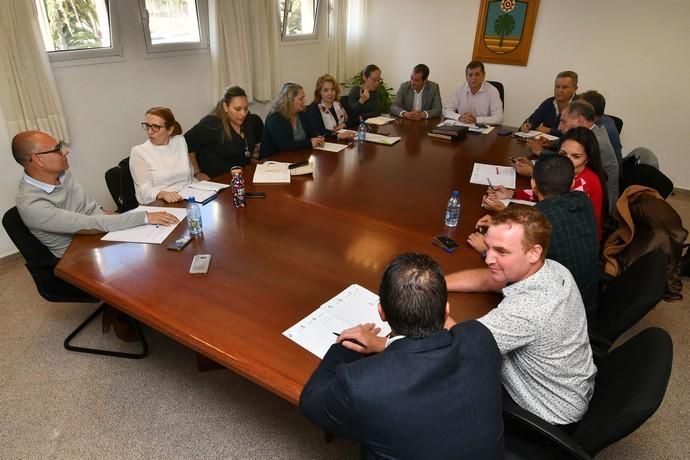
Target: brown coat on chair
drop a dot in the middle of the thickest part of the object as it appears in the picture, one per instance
(646, 222)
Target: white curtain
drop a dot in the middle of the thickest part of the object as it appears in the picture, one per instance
(245, 40)
(28, 95)
(346, 27)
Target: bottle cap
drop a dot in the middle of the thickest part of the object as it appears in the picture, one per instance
(455, 193)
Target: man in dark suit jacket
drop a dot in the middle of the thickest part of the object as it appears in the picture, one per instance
(425, 392)
(427, 93)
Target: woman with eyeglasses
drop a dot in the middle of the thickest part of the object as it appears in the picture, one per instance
(364, 99)
(160, 166)
(581, 147)
(287, 125)
(224, 138)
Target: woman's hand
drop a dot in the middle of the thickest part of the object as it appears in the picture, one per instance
(169, 197)
(492, 204)
(317, 141)
(476, 240)
(345, 136)
(201, 176)
(500, 192)
(363, 95)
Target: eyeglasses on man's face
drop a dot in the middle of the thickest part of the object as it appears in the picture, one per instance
(59, 148)
(146, 126)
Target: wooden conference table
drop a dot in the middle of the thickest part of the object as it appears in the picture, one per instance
(278, 259)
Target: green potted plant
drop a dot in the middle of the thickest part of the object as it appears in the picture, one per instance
(385, 96)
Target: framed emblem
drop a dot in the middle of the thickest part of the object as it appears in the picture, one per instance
(504, 31)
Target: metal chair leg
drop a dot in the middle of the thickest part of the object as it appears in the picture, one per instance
(97, 351)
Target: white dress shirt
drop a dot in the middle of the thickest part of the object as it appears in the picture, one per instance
(157, 168)
(485, 104)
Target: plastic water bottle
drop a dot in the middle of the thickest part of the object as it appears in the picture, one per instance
(194, 217)
(453, 210)
(361, 132)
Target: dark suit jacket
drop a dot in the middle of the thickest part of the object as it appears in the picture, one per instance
(437, 397)
(431, 99)
(316, 121)
(278, 137)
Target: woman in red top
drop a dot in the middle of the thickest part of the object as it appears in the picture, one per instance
(581, 147)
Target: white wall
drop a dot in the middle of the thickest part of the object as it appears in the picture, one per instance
(634, 52)
(104, 103)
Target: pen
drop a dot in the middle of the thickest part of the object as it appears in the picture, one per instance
(488, 179)
(497, 173)
(356, 342)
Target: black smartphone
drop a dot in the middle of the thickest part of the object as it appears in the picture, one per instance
(445, 243)
(482, 125)
(180, 243)
(255, 195)
(505, 132)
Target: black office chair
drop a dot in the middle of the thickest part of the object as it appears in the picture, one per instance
(630, 385)
(40, 262)
(618, 122)
(257, 126)
(635, 173)
(121, 186)
(499, 87)
(627, 299)
(352, 117)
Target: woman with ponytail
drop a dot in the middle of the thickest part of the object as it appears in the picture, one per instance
(160, 166)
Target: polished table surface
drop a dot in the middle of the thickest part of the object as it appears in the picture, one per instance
(278, 259)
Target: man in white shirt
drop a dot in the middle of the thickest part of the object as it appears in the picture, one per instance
(540, 326)
(475, 101)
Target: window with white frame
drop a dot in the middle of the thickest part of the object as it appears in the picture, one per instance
(77, 29)
(298, 18)
(174, 25)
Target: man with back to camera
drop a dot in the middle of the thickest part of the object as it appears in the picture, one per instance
(419, 98)
(53, 205)
(547, 116)
(540, 325)
(475, 101)
(423, 392)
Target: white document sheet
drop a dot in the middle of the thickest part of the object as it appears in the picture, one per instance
(492, 175)
(534, 135)
(272, 172)
(331, 147)
(507, 201)
(208, 185)
(148, 233)
(379, 121)
(355, 305)
(375, 138)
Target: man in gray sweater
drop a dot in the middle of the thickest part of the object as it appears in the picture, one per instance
(53, 205)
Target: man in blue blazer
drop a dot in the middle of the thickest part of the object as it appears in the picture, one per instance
(424, 391)
(418, 98)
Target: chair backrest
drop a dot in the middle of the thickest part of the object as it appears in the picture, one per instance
(40, 262)
(120, 184)
(630, 385)
(642, 174)
(618, 122)
(257, 125)
(630, 296)
(499, 87)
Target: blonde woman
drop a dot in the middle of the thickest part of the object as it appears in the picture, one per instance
(326, 115)
(287, 126)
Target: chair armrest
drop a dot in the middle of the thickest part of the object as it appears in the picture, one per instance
(546, 430)
(600, 344)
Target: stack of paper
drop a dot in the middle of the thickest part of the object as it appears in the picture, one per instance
(378, 121)
(147, 233)
(355, 305)
(492, 175)
(470, 126)
(272, 172)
